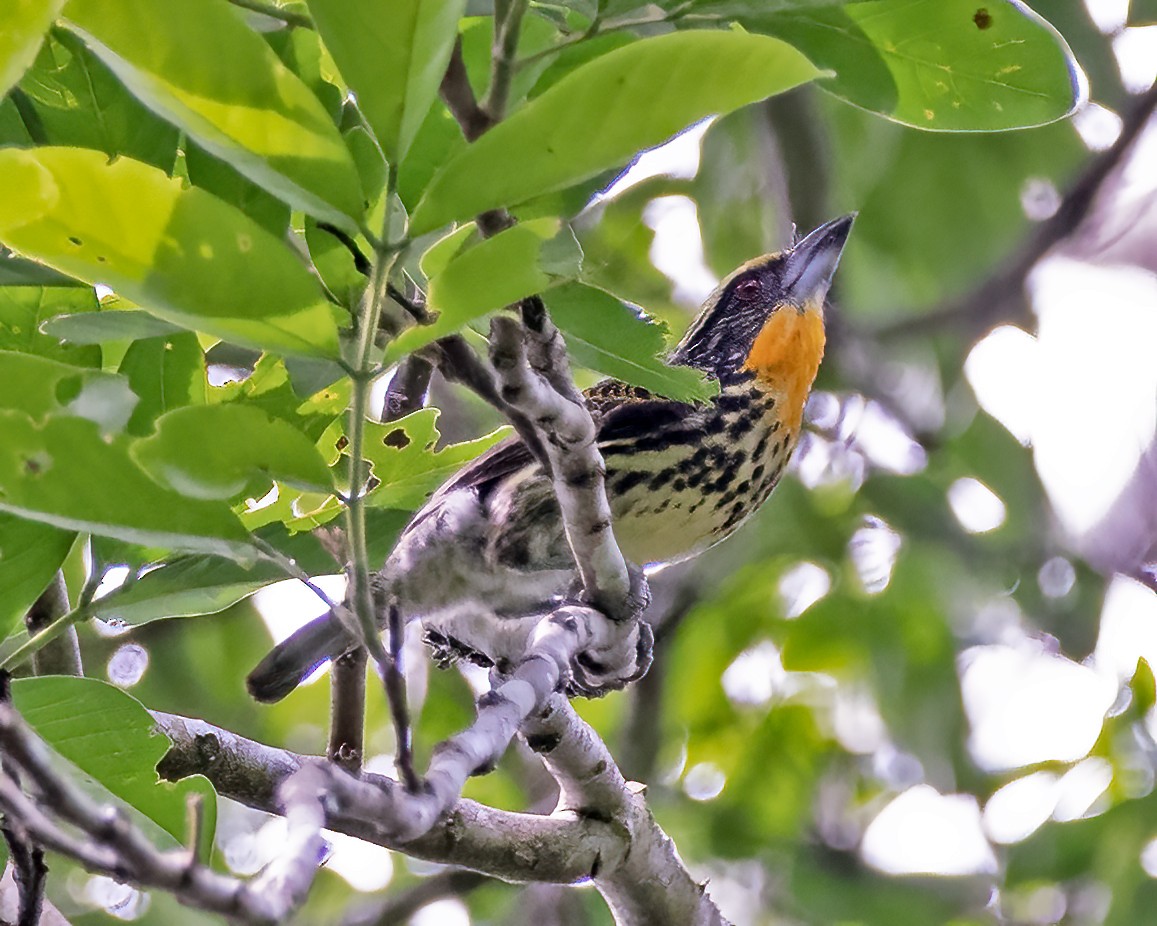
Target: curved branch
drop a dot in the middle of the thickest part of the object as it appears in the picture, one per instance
(514, 846)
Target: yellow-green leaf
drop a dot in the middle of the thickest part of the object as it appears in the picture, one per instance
(180, 254)
(197, 64)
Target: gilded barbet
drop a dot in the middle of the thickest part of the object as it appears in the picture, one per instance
(679, 477)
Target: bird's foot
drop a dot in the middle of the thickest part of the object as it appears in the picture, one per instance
(596, 671)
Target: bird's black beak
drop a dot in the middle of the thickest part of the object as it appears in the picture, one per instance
(813, 261)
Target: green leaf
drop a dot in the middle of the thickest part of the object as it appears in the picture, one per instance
(30, 554)
(946, 65)
(437, 256)
(224, 181)
(1144, 688)
(613, 338)
(187, 586)
(1142, 12)
(48, 473)
(224, 451)
(603, 112)
(23, 310)
(406, 464)
(215, 78)
(16, 271)
(392, 53)
(166, 372)
(181, 254)
(335, 265)
(512, 265)
(270, 388)
(110, 737)
(438, 141)
(40, 387)
(78, 102)
(107, 325)
(25, 22)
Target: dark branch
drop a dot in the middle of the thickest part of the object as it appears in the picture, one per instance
(997, 299)
(459, 98)
(60, 656)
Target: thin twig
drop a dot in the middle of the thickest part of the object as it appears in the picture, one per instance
(507, 29)
(395, 682)
(346, 746)
(291, 18)
(41, 638)
(29, 872)
(458, 363)
(347, 710)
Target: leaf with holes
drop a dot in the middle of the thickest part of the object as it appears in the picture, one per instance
(40, 387)
(949, 65)
(406, 464)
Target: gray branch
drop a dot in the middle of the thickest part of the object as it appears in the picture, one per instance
(652, 885)
(534, 373)
(513, 846)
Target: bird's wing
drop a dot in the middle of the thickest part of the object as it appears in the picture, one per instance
(620, 410)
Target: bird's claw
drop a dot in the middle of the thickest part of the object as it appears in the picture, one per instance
(595, 673)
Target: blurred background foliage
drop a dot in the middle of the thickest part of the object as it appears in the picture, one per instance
(915, 688)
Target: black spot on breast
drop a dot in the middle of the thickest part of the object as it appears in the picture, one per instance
(696, 477)
(624, 482)
(982, 18)
(664, 439)
(661, 478)
(734, 402)
(757, 473)
(738, 428)
(679, 484)
(714, 425)
(761, 447)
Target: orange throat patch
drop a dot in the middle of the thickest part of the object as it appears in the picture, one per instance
(786, 356)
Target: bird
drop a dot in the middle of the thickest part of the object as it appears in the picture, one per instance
(680, 477)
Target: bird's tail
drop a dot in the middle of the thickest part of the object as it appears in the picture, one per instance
(293, 659)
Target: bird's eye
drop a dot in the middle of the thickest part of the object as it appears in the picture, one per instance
(748, 289)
